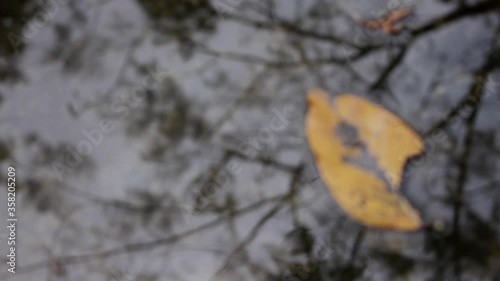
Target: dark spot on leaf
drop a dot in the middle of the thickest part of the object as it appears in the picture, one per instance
(348, 134)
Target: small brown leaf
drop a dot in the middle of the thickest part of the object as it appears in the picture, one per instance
(390, 24)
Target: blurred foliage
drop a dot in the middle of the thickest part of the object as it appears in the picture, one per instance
(170, 122)
(398, 264)
(4, 151)
(181, 16)
(14, 17)
(181, 20)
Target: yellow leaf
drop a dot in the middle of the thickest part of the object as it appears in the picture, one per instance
(360, 150)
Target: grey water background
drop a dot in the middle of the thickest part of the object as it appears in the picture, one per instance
(198, 168)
